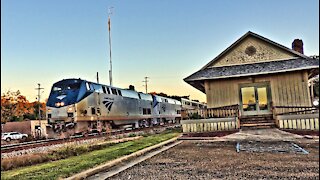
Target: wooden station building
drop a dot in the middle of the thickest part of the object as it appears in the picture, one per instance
(257, 75)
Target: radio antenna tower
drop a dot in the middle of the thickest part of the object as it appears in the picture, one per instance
(109, 28)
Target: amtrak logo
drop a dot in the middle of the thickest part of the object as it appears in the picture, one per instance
(61, 97)
(108, 102)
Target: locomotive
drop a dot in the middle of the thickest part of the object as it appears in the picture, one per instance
(77, 106)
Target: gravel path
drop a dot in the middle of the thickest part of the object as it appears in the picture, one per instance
(218, 159)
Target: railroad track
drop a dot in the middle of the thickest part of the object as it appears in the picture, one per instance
(48, 142)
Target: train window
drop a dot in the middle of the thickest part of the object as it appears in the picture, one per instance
(114, 91)
(91, 86)
(93, 111)
(57, 88)
(88, 86)
(146, 111)
(73, 86)
(104, 89)
(119, 92)
(97, 88)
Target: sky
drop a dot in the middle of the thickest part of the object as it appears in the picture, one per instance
(45, 41)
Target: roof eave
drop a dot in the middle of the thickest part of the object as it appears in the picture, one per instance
(251, 74)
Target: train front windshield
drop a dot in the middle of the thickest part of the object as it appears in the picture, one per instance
(64, 93)
(64, 87)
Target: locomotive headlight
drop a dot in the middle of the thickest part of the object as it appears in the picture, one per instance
(62, 104)
(57, 104)
(70, 109)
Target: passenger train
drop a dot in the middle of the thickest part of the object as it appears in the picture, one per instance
(189, 108)
(77, 106)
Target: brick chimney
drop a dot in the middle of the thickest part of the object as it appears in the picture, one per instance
(297, 45)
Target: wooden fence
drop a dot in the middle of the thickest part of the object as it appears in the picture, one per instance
(224, 111)
(210, 125)
(297, 117)
(286, 110)
(215, 119)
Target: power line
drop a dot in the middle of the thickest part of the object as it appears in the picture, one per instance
(146, 83)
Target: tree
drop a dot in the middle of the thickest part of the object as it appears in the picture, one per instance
(15, 107)
(12, 106)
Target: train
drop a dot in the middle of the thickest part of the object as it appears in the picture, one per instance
(192, 109)
(77, 106)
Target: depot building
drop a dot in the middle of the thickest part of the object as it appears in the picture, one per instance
(257, 74)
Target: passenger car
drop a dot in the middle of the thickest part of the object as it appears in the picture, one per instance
(8, 136)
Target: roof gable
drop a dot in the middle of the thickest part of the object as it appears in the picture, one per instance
(253, 48)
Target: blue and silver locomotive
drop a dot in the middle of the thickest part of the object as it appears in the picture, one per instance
(78, 106)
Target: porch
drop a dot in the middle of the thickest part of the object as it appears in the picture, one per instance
(231, 118)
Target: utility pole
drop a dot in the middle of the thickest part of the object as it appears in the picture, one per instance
(146, 83)
(109, 28)
(39, 105)
(39, 98)
(97, 77)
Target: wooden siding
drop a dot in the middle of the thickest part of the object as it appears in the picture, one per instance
(264, 52)
(287, 89)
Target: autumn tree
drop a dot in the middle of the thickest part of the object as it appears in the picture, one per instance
(15, 107)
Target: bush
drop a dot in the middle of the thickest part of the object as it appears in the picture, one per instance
(132, 135)
(68, 151)
(195, 116)
(27, 160)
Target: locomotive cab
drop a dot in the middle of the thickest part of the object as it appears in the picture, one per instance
(61, 109)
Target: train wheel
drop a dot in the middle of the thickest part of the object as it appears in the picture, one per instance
(85, 134)
(108, 129)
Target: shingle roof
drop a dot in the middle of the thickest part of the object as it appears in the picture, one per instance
(254, 69)
(251, 69)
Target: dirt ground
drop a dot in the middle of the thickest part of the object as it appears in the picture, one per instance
(263, 154)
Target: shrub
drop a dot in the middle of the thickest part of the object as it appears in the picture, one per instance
(26, 160)
(69, 151)
(132, 135)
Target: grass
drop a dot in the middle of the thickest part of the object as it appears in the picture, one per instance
(67, 167)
